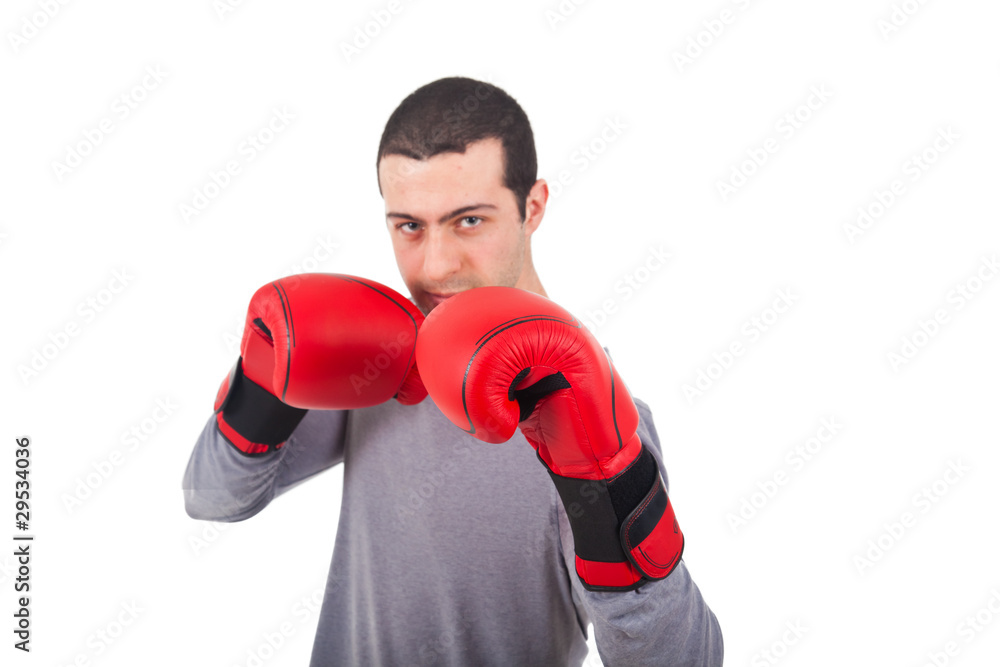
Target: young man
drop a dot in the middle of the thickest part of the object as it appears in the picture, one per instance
(450, 550)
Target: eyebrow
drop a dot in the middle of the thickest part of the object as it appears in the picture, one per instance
(446, 216)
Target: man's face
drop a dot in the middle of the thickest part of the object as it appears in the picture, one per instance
(454, 225)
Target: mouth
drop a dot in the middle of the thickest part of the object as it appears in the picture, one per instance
(436, 299)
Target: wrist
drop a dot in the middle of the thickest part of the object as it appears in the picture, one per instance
(624, 529)
(251, 418)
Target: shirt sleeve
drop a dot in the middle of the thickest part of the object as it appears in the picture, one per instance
(222, 483)
(664, 622)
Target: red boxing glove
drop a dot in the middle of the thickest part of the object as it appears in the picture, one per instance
(495, 356)
(317, 341)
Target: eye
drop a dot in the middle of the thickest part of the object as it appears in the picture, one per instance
(408, 227)
(471, 221)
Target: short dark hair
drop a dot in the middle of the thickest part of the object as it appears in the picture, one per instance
(449, 114)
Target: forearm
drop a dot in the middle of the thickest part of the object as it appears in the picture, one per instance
(666, 622)
(223, 484)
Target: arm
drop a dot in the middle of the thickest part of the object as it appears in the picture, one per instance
(497, 358)
(223, 484)
(666, 622)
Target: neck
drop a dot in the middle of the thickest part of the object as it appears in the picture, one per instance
(529, 278)
(529, 281)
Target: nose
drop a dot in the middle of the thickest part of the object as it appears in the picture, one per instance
(442, 256)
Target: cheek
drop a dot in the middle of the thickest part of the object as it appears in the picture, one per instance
(406, 259)
(500, 259)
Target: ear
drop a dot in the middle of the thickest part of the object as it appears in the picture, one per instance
(534, 206)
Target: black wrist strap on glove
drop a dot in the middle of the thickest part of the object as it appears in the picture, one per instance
(624, 530)
(253, 419)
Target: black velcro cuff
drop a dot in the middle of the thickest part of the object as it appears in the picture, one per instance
(591, 517)
(597, 508)
(257, 414)
(629, 487)
(647, 516)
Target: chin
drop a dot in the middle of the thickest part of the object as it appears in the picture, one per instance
(424, 304)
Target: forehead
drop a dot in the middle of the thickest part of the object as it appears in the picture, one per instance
(479, 169)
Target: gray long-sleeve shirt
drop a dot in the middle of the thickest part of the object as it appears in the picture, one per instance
(451, 551)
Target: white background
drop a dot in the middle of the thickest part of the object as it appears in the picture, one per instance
(207, 594)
